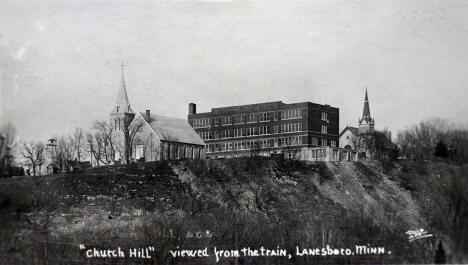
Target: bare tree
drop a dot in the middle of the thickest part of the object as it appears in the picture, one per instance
(63, 153)
(41, 156)
(7, 146)
(404, 142)
(103, 147)
(104, 139)
(98, 147)
(449, 210)
(78, 140)
(457, 141)
(94, 151)
(153, 147)
(130, 131)
(34, 153)
(420, 140)
(378, 144)
(387, 133)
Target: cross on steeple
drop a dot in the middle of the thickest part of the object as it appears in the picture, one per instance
(122, 66)
(122, 104)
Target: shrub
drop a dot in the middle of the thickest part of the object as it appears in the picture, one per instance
(324, 171)
(387, 164)
(420, 167)
(441, 150)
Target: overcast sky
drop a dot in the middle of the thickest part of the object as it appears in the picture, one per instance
(59, 61)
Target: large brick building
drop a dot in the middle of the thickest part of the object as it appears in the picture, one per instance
(266, 128)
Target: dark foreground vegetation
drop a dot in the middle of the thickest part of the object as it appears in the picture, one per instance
(245, 202)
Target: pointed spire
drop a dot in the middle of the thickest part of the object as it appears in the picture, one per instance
(366, 123)
(122, 97)
(122, 104)
(366, 112)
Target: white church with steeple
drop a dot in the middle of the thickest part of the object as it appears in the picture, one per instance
(143, 136)
(366, 122)
(349, 136)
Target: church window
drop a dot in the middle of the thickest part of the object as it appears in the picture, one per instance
(117, 108)
(139, 152)
(333, 143)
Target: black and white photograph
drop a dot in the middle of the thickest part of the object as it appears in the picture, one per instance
(233, 132)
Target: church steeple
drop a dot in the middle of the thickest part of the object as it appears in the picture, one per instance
(122, 114)
(123, 104)
(366, 123)
(366, 112)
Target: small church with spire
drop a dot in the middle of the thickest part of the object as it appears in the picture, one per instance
(366, 122)
(143, 136)
(350, 135)
(365, 140)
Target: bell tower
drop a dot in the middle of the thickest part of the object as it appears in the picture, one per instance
(120, 118)
(122, 113)
(366, 123)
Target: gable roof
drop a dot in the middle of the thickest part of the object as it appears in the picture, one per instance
(173, 129)
(353, 130)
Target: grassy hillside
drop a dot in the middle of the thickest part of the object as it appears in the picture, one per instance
(245, 202)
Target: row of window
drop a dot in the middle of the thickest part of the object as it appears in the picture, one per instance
(324, 129)
(255, 144)
(251, 117)
(264, 143)
(249, 131)
(200, 123)
(323, 142)
(324, 116)
(261, 130)
(291, 127)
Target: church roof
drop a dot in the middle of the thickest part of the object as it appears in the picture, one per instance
(122, 104)
(354, 130)
(366, 111)
(122, 97)
(173, 129)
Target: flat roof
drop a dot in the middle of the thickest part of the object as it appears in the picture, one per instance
(269, 106)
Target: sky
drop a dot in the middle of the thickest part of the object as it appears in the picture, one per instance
(60, 61)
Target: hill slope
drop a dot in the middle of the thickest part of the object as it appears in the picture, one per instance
(245, 202)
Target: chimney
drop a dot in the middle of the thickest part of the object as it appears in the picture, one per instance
(192, 108)
(148, 115)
